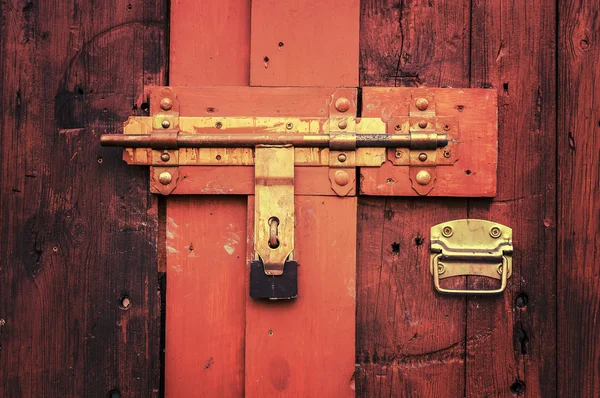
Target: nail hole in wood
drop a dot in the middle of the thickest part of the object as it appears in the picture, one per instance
(125, 303)
(518, 387)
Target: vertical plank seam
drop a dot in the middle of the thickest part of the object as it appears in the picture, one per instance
(556, 181)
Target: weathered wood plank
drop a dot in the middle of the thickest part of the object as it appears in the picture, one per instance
(78, 230)
(578, 199)
(406, 333)
(512, 337)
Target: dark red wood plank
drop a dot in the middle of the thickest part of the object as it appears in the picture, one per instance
(78, 229)
(410, 340)
(511, 338)
(578, 199)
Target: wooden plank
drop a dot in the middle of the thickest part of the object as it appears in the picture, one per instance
(471, 116)
(312, 43)
(78, 230)
(409, 339)
(239, 180)
(578, 186)
(304, 347)
(215, 101)
(210, 43)
(512, 337)
(206, 295)
(323, 315)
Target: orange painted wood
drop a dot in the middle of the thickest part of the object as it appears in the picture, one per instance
(210, 43)
(305, 347)
(206, 295)
(251, 101)
(308, 43)
(239, 180)
(473, 173)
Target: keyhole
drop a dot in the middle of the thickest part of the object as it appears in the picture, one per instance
(273, 231)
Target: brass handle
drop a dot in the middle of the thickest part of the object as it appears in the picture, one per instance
(436, 280)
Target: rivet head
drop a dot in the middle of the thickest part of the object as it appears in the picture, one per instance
(422, 104)
(423, 124)
(165, 157)
(398, 154)
(447, 231)
(446, 154)
(342, 104)
(495, 232)
(165, 178)
(289, 126)
(341, 178)
(342, 124)
(422, 157)
(342, 157)
(441, 268)
(165, 123)
(423, 177)
(166, 104)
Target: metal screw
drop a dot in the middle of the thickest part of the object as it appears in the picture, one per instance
(289, 126)
(166, 104)
(218, 125)
(495, 232)
(447, 231)
(398, 127)
(165, 123)
(422, 157)
(422, 104)
(165, 178)
(341, 158)
(342, 104)
(165, 157)
(446, 127)
(423, 124)
(341, 178)
(398, 154)
(423, 177)
(441, 268)
(342, 124)
(446, 154)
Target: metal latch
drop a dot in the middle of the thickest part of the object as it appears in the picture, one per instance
(411, 134)
(471, 247)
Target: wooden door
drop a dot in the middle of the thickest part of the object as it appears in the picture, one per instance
(101, 293)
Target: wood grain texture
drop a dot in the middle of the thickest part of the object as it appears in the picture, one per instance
(578, 199)
(206, 295)
(210, 43)
(472, 121)
(304, 347)
(308, 43)
(78, 230)
(409, 339)
(512, 337)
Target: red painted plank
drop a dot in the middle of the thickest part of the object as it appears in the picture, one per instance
(210, 43)
(305, 346)
(308, 43)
